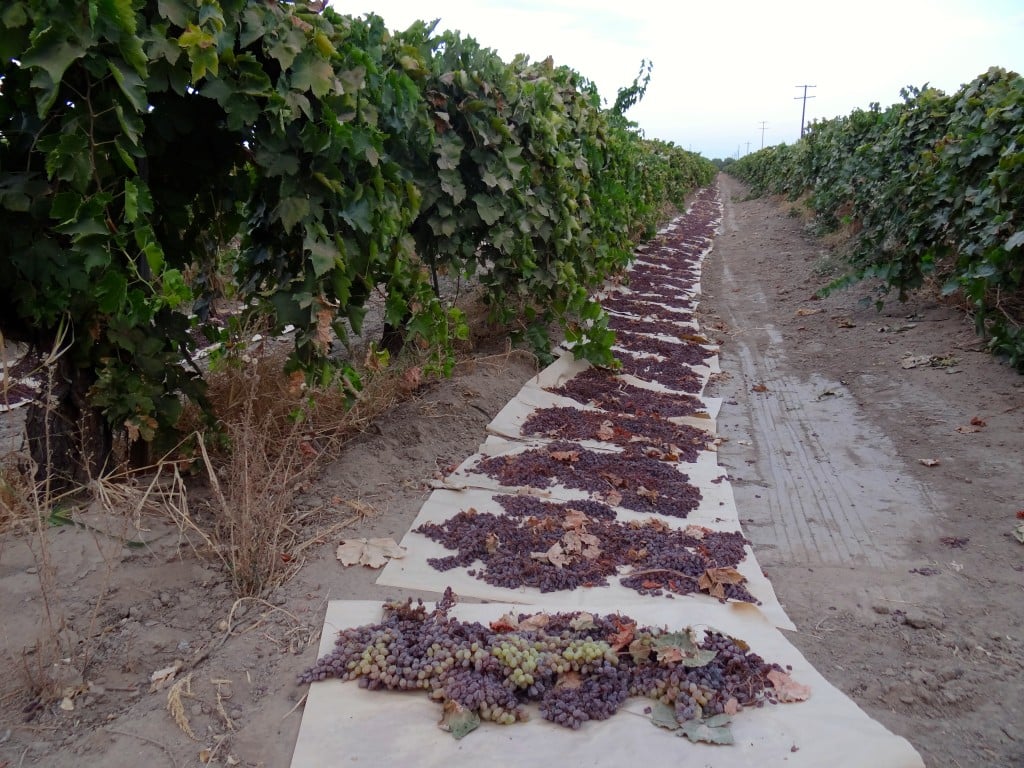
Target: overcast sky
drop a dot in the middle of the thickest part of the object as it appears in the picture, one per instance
(721, 68)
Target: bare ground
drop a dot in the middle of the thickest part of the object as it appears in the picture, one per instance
(880, 499)
(903, 578)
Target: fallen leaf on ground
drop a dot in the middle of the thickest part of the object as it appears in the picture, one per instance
(161, 677)
(1020, 514)
(606, 431)
(967, 429)
(786, 688)
(978, 422)
(930, 462)
(802, 312)
(412, 379)
(914, 361)
(759, 388)
(845, 322)
(1018, 533)
(373, 553)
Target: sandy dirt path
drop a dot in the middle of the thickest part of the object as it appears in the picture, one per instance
(903, 578)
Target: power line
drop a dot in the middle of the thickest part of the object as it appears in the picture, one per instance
(764, 124)
(803, 111)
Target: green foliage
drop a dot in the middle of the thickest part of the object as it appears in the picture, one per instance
(138, 138)
(935, 188)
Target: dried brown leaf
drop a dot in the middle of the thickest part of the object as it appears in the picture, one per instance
(606, 431)
(714, 580)
(786, 688)
(930, 462)
(569, 456)
(373, 553)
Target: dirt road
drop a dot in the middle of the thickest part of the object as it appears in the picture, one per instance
(902, 577)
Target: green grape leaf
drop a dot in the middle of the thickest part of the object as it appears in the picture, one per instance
(458, 720)
(681, 648)
(664, 716)
(714, 730)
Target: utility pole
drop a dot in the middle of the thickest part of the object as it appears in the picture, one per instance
(748, 147)
(803, 111)
(764, 125)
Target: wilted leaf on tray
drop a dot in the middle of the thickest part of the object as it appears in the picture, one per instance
(492, 542)
(714, 730)
(556, 556)
(574, 520)
(681, 648)
(696, 531)
(647, 494)
(458, 720)
(786, 688)
(583, 621)
(664, 716)
(571, 680)
(623, 637)
(713, 580)
(536, 621)
(505, 623)
(373, 553)
(569, 456)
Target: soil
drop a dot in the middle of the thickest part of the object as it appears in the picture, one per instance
(904, 579)
(880, 500)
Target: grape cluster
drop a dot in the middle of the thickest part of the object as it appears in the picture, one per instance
(499, 548)
(644, 484)
(576, 667)
(663, 327)
(669, 373)
(637, 306)
(685, 352)
(635, 434)
(603, 390)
